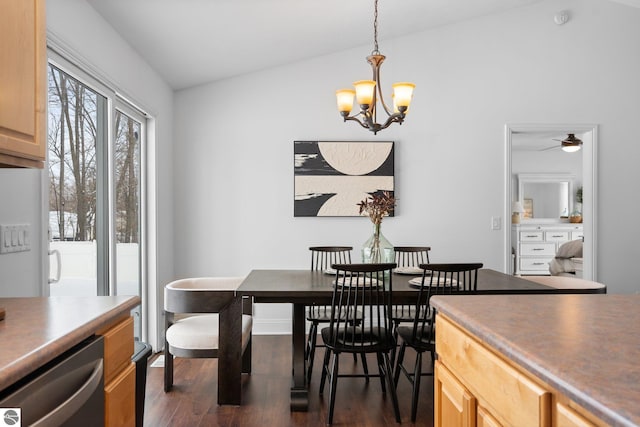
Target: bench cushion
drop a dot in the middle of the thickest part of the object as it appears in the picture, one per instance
(200, 332)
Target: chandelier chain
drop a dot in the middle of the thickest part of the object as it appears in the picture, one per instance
(375, 29)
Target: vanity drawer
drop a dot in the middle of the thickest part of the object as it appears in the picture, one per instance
(531, 236)
(535, 264)
(538, 249)
(556, 236)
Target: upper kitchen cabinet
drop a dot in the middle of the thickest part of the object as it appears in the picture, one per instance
(23, 83)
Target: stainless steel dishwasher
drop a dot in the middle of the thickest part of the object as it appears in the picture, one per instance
(69, 391)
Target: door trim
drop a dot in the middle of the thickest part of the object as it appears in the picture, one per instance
(589, 184)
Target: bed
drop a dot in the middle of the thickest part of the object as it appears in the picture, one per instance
(568, 259)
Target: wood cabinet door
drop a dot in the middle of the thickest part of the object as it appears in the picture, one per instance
(454, 405)
(120, 399)
(23, 83)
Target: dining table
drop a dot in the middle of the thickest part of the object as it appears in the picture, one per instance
(302, 288)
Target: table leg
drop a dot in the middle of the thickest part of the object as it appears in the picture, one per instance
(299, 390)
(230, 354)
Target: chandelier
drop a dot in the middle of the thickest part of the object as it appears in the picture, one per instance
(368, 92)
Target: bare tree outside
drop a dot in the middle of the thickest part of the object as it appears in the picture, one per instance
(127, 177)
(72, 157)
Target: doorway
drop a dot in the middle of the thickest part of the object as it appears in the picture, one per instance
(521, 139)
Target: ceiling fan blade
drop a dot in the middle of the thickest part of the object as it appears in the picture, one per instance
(554, 147)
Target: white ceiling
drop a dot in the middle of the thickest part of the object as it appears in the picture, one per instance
(190, 42)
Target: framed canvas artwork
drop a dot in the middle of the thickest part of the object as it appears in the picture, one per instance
(332, 177)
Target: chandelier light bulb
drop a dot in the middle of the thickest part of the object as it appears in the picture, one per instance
(345, 100)
(365, 90)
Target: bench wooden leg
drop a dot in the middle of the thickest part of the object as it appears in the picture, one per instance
(230, 354)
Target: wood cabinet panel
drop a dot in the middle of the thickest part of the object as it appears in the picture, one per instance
(476, 386)
(509, 395)
(455, 404)
(119, 373)
(23, 83)
(571, 415)
(118, 348)
(120, 399)
(485, 419)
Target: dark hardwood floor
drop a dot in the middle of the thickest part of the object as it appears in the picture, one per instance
(193, 400)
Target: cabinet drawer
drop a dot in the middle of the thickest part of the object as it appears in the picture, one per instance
(577, 235)
(567, 417)
(556, 236)
(120, 399)
(531, 236)
(506, 393)
(485, 419)
(118, 348)
(536, 264)
(538, 249)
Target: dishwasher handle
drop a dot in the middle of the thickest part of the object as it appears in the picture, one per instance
(70, 406)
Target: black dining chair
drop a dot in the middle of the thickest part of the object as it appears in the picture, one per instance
(408, 259)
(366, 288)
(437, 279)
(322, 257)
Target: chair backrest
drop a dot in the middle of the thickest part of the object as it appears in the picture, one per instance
(366, 289)
(440, 279)
(200, 295)
(411, 256)
(322, 257)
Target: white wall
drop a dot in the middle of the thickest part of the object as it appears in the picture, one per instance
(22, 273)
(234, 140)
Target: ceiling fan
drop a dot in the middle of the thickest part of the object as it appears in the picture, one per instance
(570, 144)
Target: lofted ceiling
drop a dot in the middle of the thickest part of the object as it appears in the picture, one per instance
(190, 42)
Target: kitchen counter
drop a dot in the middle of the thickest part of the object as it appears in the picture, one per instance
(585, 346)
(37, 330)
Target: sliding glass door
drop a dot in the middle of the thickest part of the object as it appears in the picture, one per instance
(95, 163)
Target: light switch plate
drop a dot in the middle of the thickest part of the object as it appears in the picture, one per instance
(15, 238)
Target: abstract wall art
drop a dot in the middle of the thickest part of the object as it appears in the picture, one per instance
(332, 177)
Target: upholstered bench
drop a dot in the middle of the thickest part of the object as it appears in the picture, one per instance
(192, 320)
(565, 282)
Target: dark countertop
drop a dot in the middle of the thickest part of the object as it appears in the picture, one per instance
(585, 346)
(37, 330)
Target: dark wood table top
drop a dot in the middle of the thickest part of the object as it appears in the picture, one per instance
(305, 286)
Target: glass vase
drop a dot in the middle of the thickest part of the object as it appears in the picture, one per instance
(377, 249)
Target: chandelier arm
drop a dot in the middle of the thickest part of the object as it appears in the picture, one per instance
(393, 118)
(355, 119)
(376, 60)
(384, 105)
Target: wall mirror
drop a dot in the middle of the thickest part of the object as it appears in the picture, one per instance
(535, 150)
(546, 196)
